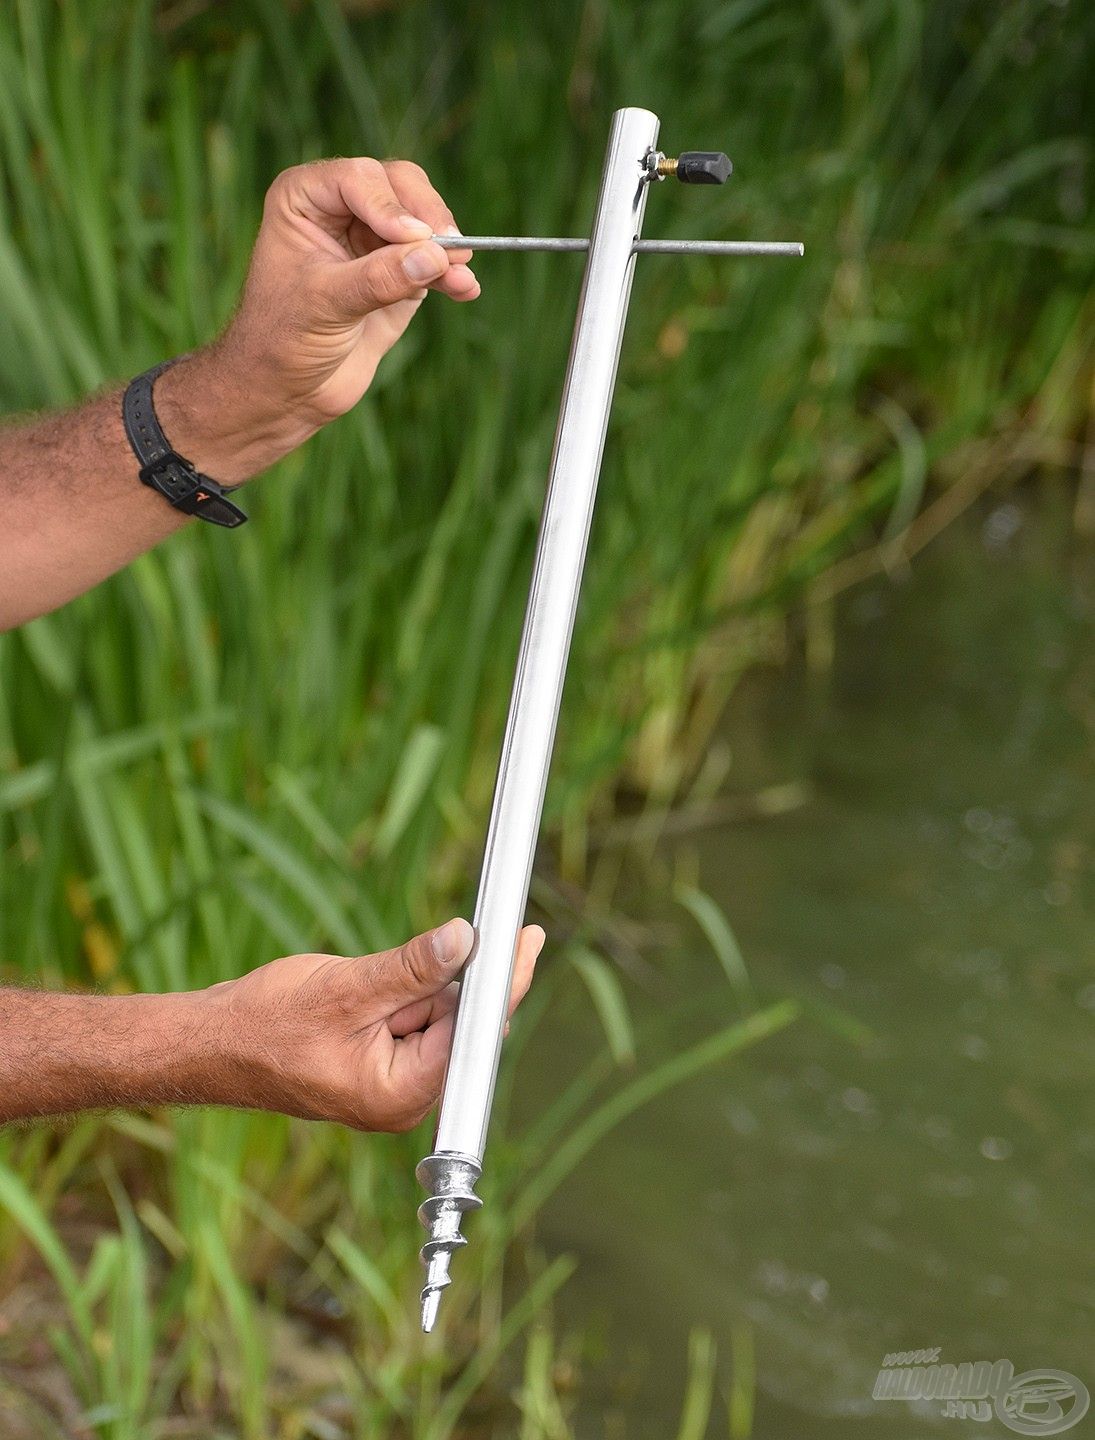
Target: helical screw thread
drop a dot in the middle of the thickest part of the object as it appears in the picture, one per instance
(449, 1180)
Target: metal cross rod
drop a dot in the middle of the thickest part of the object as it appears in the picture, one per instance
(632, 163)
(640, 247)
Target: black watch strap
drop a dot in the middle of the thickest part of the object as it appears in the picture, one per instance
(164, 470)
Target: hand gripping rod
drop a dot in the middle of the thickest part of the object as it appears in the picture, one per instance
(632, 162)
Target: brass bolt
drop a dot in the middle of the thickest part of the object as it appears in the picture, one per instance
(666, 167)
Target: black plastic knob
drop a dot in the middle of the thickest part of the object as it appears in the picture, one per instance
(703, 167)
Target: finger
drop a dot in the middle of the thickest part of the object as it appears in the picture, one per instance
(529, 945)
(416, 970)
(386, 277)
(381, 329)
(332, 193)
(412, 185)
(417, 1068)
(458, 282)
(421, 1013)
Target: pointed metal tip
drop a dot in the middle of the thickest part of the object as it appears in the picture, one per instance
(431, 1299)
(450, 1179)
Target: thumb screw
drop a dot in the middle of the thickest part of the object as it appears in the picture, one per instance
(692, 167)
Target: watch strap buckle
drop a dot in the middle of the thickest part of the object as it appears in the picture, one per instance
(165, 470)
(189, 491)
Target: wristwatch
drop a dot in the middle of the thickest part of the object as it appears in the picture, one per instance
(163, 468)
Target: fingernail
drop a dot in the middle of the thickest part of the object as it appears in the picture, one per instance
(452, 230)
(425, 262)
(451, 942)
(412, 222)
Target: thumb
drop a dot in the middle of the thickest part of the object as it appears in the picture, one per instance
(386, 275)
(419, 968)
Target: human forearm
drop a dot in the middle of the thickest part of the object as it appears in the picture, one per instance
(74, 508)
(64, 1053)
(361, 1039)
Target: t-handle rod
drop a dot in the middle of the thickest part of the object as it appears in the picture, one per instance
(450, 1172)
(640, 247)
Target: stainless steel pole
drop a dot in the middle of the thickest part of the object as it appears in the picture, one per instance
(450, 1172)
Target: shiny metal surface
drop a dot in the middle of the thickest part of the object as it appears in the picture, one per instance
(545, 642)
(537, 689)
(450, 1183)
(640, 247)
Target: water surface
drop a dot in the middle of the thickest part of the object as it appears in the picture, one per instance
(935, 1186)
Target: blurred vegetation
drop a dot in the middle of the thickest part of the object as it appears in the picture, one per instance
(284, 739)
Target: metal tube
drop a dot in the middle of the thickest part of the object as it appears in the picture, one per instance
(451, 1171)
(640, 247)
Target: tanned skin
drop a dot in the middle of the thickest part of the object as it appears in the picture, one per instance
(341, 263)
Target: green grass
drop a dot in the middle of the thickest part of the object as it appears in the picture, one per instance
(284, 739)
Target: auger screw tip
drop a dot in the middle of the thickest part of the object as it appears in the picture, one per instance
(449, 1180)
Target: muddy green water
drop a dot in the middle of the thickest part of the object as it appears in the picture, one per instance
(934, 1187)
